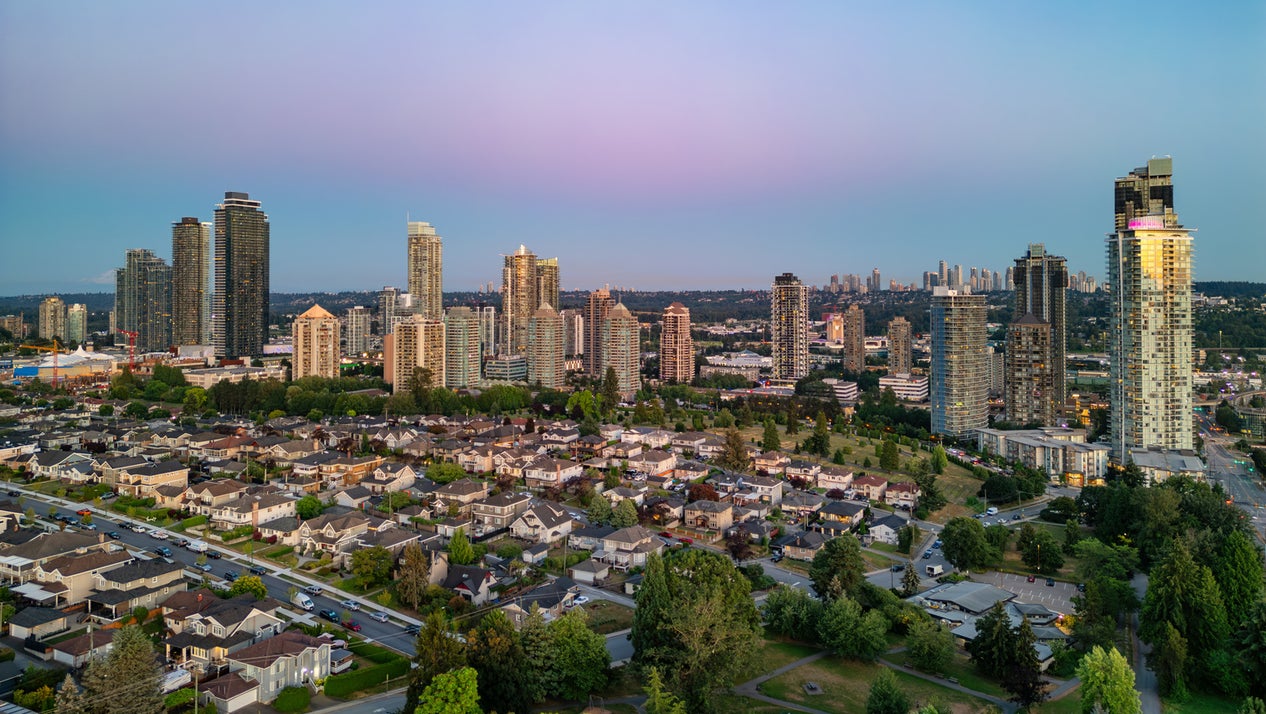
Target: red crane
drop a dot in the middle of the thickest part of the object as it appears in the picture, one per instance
(131, 349)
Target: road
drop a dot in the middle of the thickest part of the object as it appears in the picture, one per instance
(1242, 485)
(390, 634)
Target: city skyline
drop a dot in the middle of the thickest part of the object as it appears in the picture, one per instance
(649, 131)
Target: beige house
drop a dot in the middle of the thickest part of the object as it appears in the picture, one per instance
(628, 547)
(331, 533)
(544, 472)
(709, 515)
(542, 523)
(654, 463)
(463, 492)
(202, 498)
(872, 487)
(499, 511)
(772, 462)
(902, 494)
(207, 629)
(141, 583)
(67, 580)
(253, 509)
(833, 477)
(291, 659)
(141, 481)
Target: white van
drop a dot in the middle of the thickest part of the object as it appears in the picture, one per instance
(991, 511)
(303, 601)
(197, 546)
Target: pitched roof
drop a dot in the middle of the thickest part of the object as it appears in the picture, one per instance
(287, 644)
(316, 312)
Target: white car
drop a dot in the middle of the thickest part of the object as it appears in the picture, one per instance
(580, 600)
(379, 616)
(158, 535)
(350, 604)
(139, 529)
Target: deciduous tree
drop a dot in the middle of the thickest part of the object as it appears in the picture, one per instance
(930, 644)
(495, 651)
(414, 576)
(1107, 683)
(965, 544)
(308, 507)
(849, 632)
(372, 565)
(599, 511)
(580, 657)
(837, 568)
(460, 552)
(792, 613)
(249, 584)
(455, 692)
(437, 650)
(886, 695)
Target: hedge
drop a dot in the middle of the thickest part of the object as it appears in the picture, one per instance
(192, 521)
(341, 685)
(6, 654)
(373, 653)
(293, 699)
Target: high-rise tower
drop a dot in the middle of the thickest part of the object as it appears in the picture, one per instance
(789, 327)
(142, 299)
(416, 345)
(316, 344)
(190, 282)
(240, 307)
(899, 358)
(959, 382)
(621, 349)
(676, 348)
(854, 334)
(425, 267)
(520, 298)
(597, 309)
(1147, 191)
(545, 348)
(1035, 381)
(1150, 333)
(52, 318)
(547, 281)
(77, 323)
(461, 348)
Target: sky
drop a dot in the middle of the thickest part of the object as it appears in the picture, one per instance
(647, 145)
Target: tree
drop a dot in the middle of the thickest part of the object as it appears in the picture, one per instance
(930, 644)
(771, 440)
(658, 699)
(496, 652)
(131, 659)
(1168, 659)
(600, 511)
(414, 576)
(1022, 674)
(909, 580)
(1107, 683)
(1184, 594)
(249, 584)
(1250, 642)
(906, 537)
(372, 565)
(625, 514)
(849, 633)
(610, 394)
(580, 657)
(444, 472)
(1072, 536)
(455, 692)
(437, 651)
(994, 644)
(939, 460)
(734, 452)
(105, 410)
(965, 545)
(1237, 568)
(837, 568)
(820, 442)
(460, 551)
(703, 492)
(889, 457)
(695, 618)
(537, 640)
(1042, 552)
(790, 612)
(308, 507)
(886, 695)
(69, 699)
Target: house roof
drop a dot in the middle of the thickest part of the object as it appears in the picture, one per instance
(141, 569)
(34, 616)
(228, 686)
(68, 565)
(969, 596)
(86, 642)
(287, 644)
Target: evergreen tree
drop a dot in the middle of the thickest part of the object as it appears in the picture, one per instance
(131, 659)
(496, 652)
(793, 424)
(599, 511)
(909, 580)
(658, 699)
(734, 452)
(1168, 659)
(837, 568)
(1184, 594)
(886, 695)
(1237, 569)
(625, 514)
(994, 643)
(610, 394)
(538, 651)
(460, 551)
(890, 456)
(1107, 683)
(69, 699)
(579, 659)
(939, 460)
(414, 576)
(930, 644)
(771, 441)
(849, 633)
(1250, 642)
(437, 651)
(1022, 674)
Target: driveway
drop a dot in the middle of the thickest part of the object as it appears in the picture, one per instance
(1058, 598)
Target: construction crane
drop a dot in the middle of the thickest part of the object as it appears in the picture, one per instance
(131, 349)
(55, 349)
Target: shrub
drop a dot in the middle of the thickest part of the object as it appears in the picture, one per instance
(341, 685)
(193, 521)
(6, 654)
(293, 699)
(373, 653)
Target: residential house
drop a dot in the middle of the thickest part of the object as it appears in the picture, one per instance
(142, 481)
(804, 545)
(590, 571)
(885, 529)
(833, 477)
(764, 489)
(649, 436)
(772, 462)
(68, 579)
(654, 463)
(290, 659)
(665, 512)
(78, 651)
(709, 515)
(804, 472)
(688, 442)
(310, 466)
(497, 512)
(629, 547)
(141, 583)
(544, 472)
(847, 513)
(108, 469)
(623, 451)
(207, 629)
(690, 470)
(256, 508)
(355, 497)
(478, 459)
(870, 486)
(624, 493)
(203, 498)
(588, 538)
(58, 464)
(560, 438)
(37, 623)
(286, 453)
(553, 598)
(462, 492)
(333, 533)
(389, 478)
(587, 446)
(542, 523)
(349, 470)
(710, 448)
(472, 583)
(903, 495)
(21, 552)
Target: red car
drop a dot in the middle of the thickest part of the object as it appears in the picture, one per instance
(687, 541)
(665, 534)
(83, 512)
(352, 625)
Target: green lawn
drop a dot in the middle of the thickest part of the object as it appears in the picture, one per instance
(774, 653)
(1200, 703)
(846, 685)
(961, 669)
(606, 617)
(1068, 704)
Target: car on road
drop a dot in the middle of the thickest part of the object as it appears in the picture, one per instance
(214, 554)
(86, 526)
(83, 512)
(259, 570)
(665, 534)
(205, 567)
(897, 567)
(139, 529)
(1050, 582)
(379, 616)
(313, 590)
(687, 541)
(413, 629)
(113, 535)
(1016, 517)
(14, 494)
(352, 625)
(927, 554)
(937, 544)
(580, 600)
(182, 543)
(350, 604)
(1032, 578)
(776, 557)
(158, 535)
(162, 550)
(330, 615)
(230, 575)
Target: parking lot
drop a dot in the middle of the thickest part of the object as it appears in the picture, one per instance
(1058, 598)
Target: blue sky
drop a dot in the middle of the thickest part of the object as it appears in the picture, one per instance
(647, 145)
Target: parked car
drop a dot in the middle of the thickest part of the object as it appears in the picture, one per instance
(927, 554)
(113, 535)
(1050, 582)
(182, 543)
(350, 604)
(14, 494)
(230, 575)
(259, 570)
(214, 554)
(937, 544)
(83, 512)
(352, 625)
(314, 590)
(163, 551)
(1016, 517)
(1081, 587)
(898, 567)
(413, 629)
(158, 535)
(330, 615)
(205, 567)
(580, 600)
(775, 557)
(1032, 578)
(86, 526)
(139, 529)
(665, 534)
(379, 616)
(687, 541)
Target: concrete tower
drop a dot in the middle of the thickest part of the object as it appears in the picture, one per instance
(316, 344)
(425, 268)
(190, 282)
(789, 327)
(239, 313)
(959, 383)
(676, 348)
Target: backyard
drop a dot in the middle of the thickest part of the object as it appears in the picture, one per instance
(845, 685)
